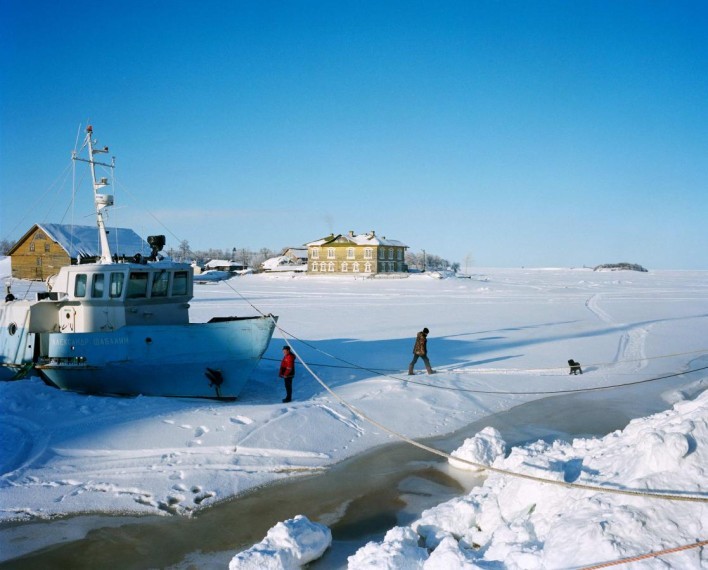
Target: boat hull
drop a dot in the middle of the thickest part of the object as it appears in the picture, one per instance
(207, 360)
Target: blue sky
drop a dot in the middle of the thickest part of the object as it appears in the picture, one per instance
(534, 133)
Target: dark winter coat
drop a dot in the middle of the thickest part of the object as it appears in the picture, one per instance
(421, 344)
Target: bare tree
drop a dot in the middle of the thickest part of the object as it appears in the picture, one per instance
(5, 246)
(184, 250)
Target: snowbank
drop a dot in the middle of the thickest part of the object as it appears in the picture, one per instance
(482, 449)
(5, 269)
(289, 544)
(518, 523)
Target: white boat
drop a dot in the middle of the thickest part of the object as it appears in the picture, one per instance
(123, 327)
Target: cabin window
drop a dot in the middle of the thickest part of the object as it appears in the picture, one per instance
(97, 286)
(47, 247)
(368, 253)
(31, 246)
(316, 253)
(160, 282)
(137, 284)
(80, 285)
(179, 283)
(330, 253)
(116, 289)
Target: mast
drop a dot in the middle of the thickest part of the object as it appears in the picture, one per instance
(100, 200)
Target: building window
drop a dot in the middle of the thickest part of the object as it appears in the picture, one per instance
(315, 253)
(368, 253)
(31, 246)
(367, 267)
(323, 266)
(314, 266)
(390, 253)
(356, 267)
(330, 267)
(344, 266)
(330, 253)
(350, 253)
(46, 247)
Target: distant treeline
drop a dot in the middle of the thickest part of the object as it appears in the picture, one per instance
(249, 258)
(6, 246)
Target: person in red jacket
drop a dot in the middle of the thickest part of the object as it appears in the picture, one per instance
(287, 372)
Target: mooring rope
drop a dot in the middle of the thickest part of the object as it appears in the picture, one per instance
(481, 466)
(496, 392)
(356, 411)
(647, 555)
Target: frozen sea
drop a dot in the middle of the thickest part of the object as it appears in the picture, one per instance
(499, 341)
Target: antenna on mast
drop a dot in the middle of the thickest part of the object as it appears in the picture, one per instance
(101, 200)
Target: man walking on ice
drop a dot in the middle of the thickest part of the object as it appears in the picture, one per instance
(420, 350)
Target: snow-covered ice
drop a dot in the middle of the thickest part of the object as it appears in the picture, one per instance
(526, 525)
(497, 340)
(289, 544)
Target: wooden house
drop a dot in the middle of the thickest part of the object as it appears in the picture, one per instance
(298, 255)
(349, 254)
(47, 247)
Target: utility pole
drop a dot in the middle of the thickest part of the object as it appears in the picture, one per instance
(425, 265)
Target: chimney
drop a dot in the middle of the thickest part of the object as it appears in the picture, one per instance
(351, 233)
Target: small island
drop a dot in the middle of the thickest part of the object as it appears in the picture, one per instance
(620, 267)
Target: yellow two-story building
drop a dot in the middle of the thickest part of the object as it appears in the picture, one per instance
(365, 254)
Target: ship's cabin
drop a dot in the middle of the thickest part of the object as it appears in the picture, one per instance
(126, 282)
(109, 296)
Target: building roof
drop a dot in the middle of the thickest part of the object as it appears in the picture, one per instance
(362, 239)
(82, 241)
(215, 263)
(299, 252)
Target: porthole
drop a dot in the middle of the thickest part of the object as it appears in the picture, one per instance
(12, 328)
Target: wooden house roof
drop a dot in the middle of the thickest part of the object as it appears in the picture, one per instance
(362, 239)
(82, 241)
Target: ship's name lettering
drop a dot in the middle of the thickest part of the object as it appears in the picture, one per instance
(105, 341)
(85, 341)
